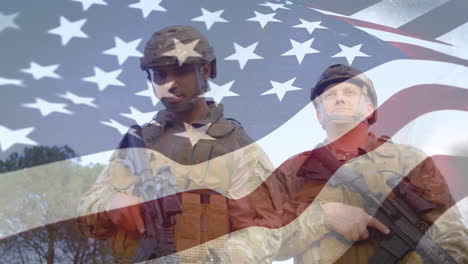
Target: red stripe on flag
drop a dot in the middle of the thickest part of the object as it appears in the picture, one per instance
(421, 53)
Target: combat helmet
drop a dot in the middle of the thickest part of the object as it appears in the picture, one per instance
(164, 41)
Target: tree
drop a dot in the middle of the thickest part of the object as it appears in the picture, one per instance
(43, 185)
(35, 156)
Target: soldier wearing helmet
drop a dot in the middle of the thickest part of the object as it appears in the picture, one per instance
(211, 158)
(335, 228)
(357, 83)
(178, 61)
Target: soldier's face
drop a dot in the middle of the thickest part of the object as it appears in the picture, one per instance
(343, 99)
(175, 84)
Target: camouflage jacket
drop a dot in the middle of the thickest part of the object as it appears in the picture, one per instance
(223, 159)
(307, 237)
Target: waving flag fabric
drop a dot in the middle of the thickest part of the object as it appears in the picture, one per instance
(78, 69)
(71, 71)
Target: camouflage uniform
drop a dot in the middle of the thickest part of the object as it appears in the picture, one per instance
(310, 240)
(230, 164)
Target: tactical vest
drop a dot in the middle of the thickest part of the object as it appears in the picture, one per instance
(203, 174)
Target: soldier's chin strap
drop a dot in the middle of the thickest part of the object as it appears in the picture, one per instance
(181, 106)
(184, 106)
(339, 121)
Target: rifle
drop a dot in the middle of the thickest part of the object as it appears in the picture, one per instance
(158, 214)
(399, 214)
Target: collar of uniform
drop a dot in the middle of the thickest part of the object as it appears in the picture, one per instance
(314, 169)
(216, 111)
(370, 145)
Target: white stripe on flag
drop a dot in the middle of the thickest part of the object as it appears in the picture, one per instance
(6, 81)
(394, 76)
(436, 133)
(456, 51)
(325, 12)
(395, 13)
(457, 37)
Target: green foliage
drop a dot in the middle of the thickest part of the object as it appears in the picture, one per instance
(34, 156)
(39, 187)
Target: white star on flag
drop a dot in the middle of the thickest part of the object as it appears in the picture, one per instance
(350, 53)
(123, 49)
(8, 21)
(38, 72)
(149, 92)
(162, 90)
(68, 30)
(242, 55)
(10, 137)
(47, 108)
(6, 81)
(195, 134)
(154, 122)
(183, 51)
(104, 79)
(263, 19)
(114, 124)
(147, 6)
(133, 131)
(218, 92)
(309, 26)
(139, 117)
(78, 99)
(88, 3)
(280, 89)
(274, 6)
(300, 49)
(209, 18)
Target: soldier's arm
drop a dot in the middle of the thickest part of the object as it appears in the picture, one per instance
(447, 227)
(262, 214)
(303, 219)
(256, 237)
(253, 211)
(93, 207)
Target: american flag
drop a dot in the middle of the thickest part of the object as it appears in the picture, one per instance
(71, 71)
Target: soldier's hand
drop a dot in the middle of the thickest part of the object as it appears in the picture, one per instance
(125, 212)
(350, 221)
